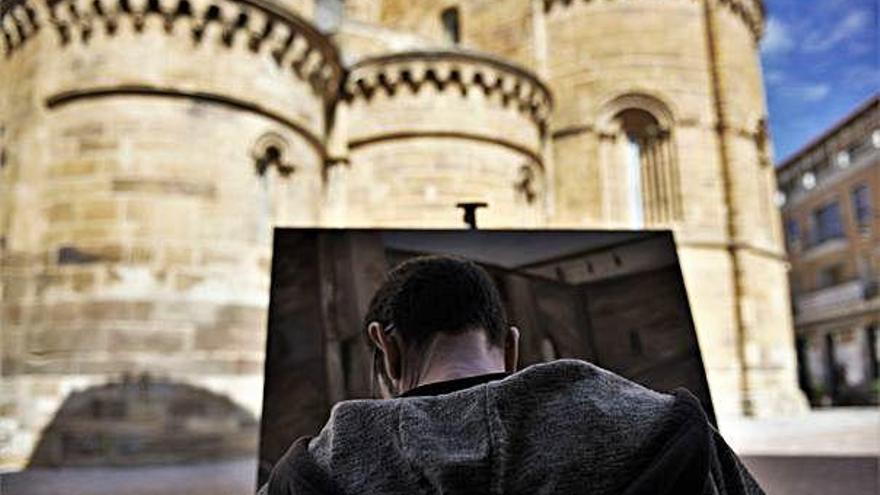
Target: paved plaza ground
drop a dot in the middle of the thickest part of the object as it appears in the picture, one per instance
(231, 477)
(833, 452)
(843, 431)
(828, 452)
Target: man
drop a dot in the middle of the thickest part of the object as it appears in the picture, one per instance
(461, 419)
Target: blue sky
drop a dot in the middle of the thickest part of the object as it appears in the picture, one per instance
(821, 60)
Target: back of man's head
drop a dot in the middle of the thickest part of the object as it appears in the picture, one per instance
(430, 295)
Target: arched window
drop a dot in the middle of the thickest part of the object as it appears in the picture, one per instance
(634, 124)
(274, 172)
(451, 25)
(644, 158)
(270, 151)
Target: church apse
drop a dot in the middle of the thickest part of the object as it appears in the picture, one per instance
(429, 129)
(150, 147)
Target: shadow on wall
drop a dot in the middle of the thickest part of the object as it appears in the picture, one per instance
(140, 421)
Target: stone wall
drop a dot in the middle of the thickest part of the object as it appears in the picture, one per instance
(427, 130)
(140, 191)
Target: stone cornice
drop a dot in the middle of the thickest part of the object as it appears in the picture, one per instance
(751, 11)
(19, 20)
(464, 71)
(468, 136)
(61, 99)
(260, 25)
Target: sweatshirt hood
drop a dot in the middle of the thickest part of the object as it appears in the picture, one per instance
(532, 432)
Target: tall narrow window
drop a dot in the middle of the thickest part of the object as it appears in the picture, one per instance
(634, 182)
(451, 25)
(861, 202)
(652, 177)
(793, 234)
(269, 155)
(828, 223)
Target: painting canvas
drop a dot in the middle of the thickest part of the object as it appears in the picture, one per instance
(613, 298)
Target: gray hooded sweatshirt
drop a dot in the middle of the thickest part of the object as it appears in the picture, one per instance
(556, 428)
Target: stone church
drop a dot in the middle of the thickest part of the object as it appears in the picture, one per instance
(148, 148)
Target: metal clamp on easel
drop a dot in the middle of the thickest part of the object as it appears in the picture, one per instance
(470, 212)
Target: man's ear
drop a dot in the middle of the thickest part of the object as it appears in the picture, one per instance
(511, 350)
(390, 350)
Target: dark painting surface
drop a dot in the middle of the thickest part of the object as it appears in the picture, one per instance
(615, 299)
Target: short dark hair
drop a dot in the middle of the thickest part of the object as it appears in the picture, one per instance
(429, 295)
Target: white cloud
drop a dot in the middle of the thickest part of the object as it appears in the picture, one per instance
(850, 25)
(777, 39)
(805, 91)
(813, 92)
(775, 77)
(862, 77)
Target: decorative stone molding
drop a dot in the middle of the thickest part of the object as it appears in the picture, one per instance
(527, 183)
(19, 20)
(65, 98)
(271, 150)
(751, 11)
(399, 136)
(460, 71)
(653, 104)
(259, 25)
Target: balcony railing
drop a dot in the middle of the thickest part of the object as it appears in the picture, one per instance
(813, 250)
(835, 300)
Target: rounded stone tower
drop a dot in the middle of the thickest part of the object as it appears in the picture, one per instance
(659, 121)
(662, 125)
(426, 130)
(148, 147)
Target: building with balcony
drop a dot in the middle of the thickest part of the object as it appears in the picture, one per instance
(829, 193)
